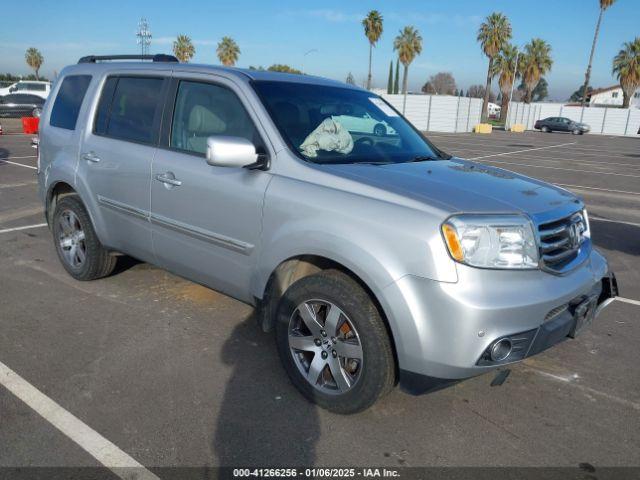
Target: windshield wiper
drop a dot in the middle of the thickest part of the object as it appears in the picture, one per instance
(423, 158)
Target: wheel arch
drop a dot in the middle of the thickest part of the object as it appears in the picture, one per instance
(296, 267)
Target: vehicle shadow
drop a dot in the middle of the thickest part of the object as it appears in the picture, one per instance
(616, 236)
(263, 421)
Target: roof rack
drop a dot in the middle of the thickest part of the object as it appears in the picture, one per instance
(160, 57)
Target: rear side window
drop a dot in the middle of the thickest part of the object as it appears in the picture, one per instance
(128, 108)
(66, 108)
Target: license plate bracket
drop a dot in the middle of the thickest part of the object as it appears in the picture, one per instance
(584, 313)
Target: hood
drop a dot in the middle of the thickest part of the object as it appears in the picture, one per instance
(462, 186)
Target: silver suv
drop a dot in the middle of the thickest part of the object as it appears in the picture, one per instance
(377, 258)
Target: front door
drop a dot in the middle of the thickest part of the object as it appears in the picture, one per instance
(206, 220)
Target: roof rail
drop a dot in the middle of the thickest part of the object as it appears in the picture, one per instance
(160, 57)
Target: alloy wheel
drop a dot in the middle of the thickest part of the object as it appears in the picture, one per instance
(325, 346)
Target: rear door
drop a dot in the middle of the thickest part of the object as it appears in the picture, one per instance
(206, 220)
(116, 155)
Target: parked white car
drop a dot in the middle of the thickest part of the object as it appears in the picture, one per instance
(362, 122)
(31, 87)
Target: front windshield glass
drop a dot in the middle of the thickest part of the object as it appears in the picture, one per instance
(342, 125)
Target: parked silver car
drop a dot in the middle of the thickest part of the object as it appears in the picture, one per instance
(376, 259)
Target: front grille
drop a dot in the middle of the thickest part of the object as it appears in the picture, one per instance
(560, 241)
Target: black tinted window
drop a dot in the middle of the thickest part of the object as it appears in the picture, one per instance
(66, 108)
(102, 115)
(132, 110)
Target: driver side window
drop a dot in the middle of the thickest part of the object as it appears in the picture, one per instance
(203, 110)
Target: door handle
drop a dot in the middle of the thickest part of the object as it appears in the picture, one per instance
(162, 177)
(91, 157)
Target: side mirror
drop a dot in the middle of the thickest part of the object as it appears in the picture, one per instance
(223, 151)
(12, 89)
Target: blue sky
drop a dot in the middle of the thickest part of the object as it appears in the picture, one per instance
(281, 32)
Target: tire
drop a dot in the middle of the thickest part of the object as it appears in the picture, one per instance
(575, 131)
(77, 245)
(357, 325)
(379, 130)
(545, 129)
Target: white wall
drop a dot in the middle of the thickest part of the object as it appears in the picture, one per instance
(609, 121)
(439, 113)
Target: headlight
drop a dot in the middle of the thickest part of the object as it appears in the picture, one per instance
(491, 241)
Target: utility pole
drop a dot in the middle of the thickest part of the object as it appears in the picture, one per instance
(144, 36)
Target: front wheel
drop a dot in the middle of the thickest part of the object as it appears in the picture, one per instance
(575, 131)
(333, 343)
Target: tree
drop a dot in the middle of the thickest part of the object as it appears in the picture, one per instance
(228, 51)
(504, 67)
(34, 59)
(390, 81)
(604, 4)
(578, 94)
(441, 83)
(350, 80)
(408, 43)
(183, 48)
(626, 68)
(372, 24)
(493, 35)
(277, 67)
(478, 91)
(536, 61)
(429, 89)
(541, 91)
(462, 93)
(396, 82)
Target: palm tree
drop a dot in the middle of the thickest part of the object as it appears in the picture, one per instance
(626, 67)
(493, 35)
(536, 61)
(604, 4)
(34, 59)
(409, 45)
(372, 24)
(228, 51)
(504, 67)
(183, 49)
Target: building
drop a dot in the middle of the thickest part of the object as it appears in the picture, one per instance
(612, 97)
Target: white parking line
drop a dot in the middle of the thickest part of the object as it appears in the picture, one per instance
(572, 380)
(15, 229)
(560, 168)
(91, 441)
(18, 164)
(13, 158)
(521, 151)
(628, 300)
(626, 192)
(600, 219)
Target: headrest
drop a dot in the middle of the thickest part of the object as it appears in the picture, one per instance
(203, 120)
(287, 113)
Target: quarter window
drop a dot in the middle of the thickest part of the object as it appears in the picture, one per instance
(203, 110)
(66, 108)
(128, 108)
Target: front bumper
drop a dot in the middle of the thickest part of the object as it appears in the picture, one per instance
(444, 330)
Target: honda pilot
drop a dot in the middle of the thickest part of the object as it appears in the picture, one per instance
(375, 257)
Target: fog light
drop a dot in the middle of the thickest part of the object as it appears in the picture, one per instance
(501, 350)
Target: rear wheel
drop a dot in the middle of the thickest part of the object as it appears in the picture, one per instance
(333, 343)
(379, 130)
(77, 245)
(545, 129)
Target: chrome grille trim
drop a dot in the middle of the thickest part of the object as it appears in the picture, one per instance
(561, 242)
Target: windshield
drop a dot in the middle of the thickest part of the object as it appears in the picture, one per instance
(326, 124)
